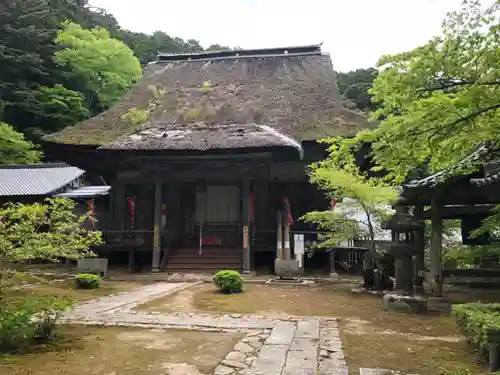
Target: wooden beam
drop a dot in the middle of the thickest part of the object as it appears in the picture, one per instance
(436, 248)
(420, 251)
(455, 194)
(459, 211)
(331, 262)
(131, 261)
(245, 193)
(157, 224)
(279, 233)
(118, 197)
(287, 253)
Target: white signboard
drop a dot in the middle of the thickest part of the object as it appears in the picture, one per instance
(298, 248)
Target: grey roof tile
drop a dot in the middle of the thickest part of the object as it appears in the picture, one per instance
(86, 192)
(36, 179)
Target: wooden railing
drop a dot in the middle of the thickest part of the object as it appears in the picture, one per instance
(126, 238)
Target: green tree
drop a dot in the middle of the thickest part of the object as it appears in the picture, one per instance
(14, 148)
(28, 28)
(57, 105)
(146, 47)
(217, 47)
(365, 200)
(34, 88)
(354, 87)
(47, 231)
(438, 102)
(106, 65)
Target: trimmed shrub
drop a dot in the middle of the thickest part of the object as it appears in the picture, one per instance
(30, 321)
(475, 319)
(87, 281)
(228, 281)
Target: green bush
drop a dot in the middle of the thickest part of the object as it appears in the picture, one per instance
(475, 319)
(87, 281)
(29, 321)
(228, 281)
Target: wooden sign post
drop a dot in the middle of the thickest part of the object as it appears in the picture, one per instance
(245, 237)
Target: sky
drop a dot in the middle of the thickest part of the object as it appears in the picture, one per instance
(355, 32)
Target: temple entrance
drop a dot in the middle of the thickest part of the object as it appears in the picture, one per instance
(212, 237)
(218, 215)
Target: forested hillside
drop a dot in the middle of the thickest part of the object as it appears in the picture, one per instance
(63, 60)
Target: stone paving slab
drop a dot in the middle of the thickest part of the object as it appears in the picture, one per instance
(128, 300)
(270, 361)
(282, 334)
(308, 329)
(302, 358)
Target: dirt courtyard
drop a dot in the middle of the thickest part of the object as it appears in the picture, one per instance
(124, 351)
(370, 336)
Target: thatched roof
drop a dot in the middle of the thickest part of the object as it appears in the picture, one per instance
(202, 137)
(293, 90)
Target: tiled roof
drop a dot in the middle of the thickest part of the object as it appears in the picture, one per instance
(472, 161)
(241, 53)
(86, 192)
(491, 173)
(36, 179)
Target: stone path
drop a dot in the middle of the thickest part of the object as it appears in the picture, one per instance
(271, 346)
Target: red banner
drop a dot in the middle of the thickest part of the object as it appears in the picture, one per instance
(333, 203)
(91, 207)
(131, 211)
(288, 209)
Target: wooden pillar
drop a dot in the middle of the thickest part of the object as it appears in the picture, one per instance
(332, 269)
(287, 254)
(436, 248)
(261, 204)
(156, 226)
(174, 219)
(246, 225)
(119, 207)
(279, 232)
(420, 251)
(131, 261)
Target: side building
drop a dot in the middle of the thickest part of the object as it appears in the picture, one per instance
(30, 183)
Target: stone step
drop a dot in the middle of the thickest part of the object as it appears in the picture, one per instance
(380, 371)
(175, 260)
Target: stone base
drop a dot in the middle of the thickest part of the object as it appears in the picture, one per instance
(290, 281)
(418, 289)
(439, 304)
(406, 304)
(98, 266)
(287, 268)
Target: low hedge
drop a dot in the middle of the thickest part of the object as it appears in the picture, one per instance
(30, 321)
(87, 281)
(475, 319)
(228, 281)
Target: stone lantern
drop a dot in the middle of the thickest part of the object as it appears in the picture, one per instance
(404, 228)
